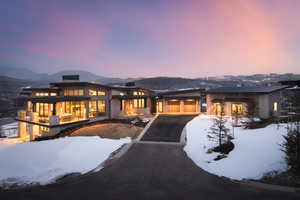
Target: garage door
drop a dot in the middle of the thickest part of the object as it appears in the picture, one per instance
(189, 106)
(173, 106)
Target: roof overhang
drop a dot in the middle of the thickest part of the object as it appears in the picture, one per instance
(54, 99)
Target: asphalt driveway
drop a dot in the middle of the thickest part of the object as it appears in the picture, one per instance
(167, 128)
(149, 171)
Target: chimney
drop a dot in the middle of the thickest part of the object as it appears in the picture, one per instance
(70, 78)
(130, 84)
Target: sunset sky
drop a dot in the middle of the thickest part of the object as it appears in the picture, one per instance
(143, 38)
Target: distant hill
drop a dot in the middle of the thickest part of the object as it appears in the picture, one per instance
(10, 87)
(26, 74)
(171, 83)
(21, 73)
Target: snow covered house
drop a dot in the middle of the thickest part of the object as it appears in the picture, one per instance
(264, 100)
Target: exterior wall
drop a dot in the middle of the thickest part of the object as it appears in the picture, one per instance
(116, 111)
(181, 100)
(264, 103)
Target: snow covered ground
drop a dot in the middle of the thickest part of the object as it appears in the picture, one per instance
(256, 151)
(10, 130)
(43, 162)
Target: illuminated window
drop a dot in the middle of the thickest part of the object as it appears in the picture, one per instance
(92, 92)
(139, 103)
(138, 93)
(101, 106)
(73, 92)
(44, 109)
(76, 108)
(122, 93)
(275, 106)
(101, 93)
(237, 109)
(93, 108)
(44, 129)
(41, 94)
(217, 108)
(53, 94)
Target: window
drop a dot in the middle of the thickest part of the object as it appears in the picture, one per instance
(101, 106)
(53, 94)
(101, 93)
(75, 108)
(44, 129)
(92, 92)
(122, 93)
(41, 94)
(139, 103)
(73, 92)
(275, 106)
(217, 108)
(135, 93)
(236, 109)
(44, 109)
(93, 108)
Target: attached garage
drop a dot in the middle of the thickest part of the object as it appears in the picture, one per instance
(173, 106)
(189, 105)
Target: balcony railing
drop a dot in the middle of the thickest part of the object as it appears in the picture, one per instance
(48, 120)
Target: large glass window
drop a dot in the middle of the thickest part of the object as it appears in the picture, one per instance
(92, 92)
(41, 94)
(75, 108)
(93, 108)
(236, 109)
(101, 93)
(138, 103)
(101, 106)
(73, 92)
(44, 109)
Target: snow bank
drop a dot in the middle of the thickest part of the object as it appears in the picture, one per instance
(256, 151)
(42, 162)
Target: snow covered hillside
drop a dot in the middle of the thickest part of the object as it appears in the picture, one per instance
(43, 162)
(256, 151)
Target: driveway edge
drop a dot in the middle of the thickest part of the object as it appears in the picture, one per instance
(145, 129)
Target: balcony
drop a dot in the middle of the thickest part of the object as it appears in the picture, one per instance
(48, 120)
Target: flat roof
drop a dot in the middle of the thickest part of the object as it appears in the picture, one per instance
(79, 83)
(252, 89)
(53, 99)
(42, 89)
(180, 91)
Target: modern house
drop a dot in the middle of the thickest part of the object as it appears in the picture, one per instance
(71, 102)
(264, 101)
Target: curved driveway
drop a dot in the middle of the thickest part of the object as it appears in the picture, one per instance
(149, 171)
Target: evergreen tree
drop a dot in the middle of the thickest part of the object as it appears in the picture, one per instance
(219, 131)
(291, 146)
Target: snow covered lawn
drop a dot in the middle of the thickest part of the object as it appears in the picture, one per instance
(43, 162)
(256, 151)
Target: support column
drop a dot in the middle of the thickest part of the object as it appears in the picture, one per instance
(181, 106)
(87, 109)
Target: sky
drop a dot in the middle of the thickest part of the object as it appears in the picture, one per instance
(144, 38)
